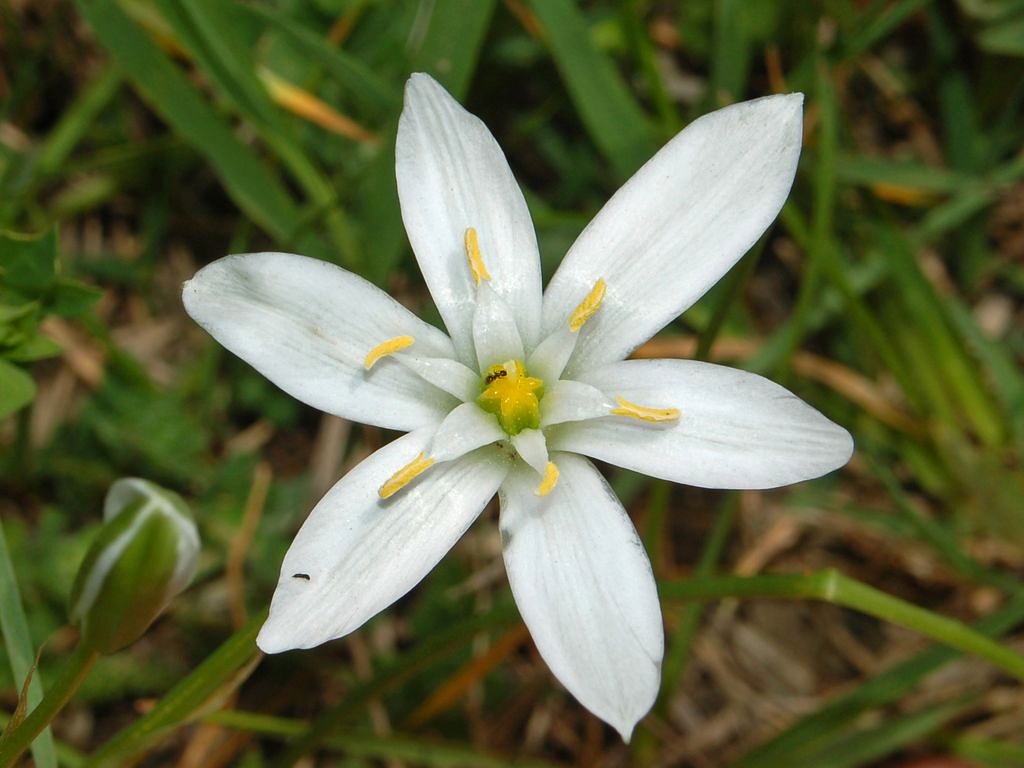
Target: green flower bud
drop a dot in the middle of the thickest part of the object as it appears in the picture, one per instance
(143, 556)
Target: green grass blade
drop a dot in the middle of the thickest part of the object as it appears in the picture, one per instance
(412, 661)
(169, 93)
(20, 653)
(221, 39)
(217, 676)
(611, 115)
(454, 36)
(876, 28)
(678, 649)
(863, 746)
(833, 587)
(868, 171)
(365, 87)
(826, 723)
(971, 199)
(732, 51)
(77, 120)
(821, 233)
(988, 753)
(950, 361)
(394, 746)
(449, 49)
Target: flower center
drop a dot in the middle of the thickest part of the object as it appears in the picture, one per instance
(512, 396)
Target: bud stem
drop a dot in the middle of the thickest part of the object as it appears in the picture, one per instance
(17, 740)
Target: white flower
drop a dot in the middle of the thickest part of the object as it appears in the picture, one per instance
(525, 386)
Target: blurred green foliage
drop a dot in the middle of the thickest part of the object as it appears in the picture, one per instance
(30, 289)
(147, 137)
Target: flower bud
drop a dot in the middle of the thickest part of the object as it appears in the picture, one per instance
(144, 554)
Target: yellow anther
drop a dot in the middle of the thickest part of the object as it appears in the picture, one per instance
(476, 261)
(405, 475)
(550, 480)
(386, 348)
(642, 413)
(587, 307)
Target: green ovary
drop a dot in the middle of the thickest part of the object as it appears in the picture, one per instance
(512, 396)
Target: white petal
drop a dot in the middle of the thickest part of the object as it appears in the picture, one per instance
(495, 334)
(736, 429)
(357, 554)
(450, 375)
(678, 225)
(533, 449)
(548, 360)
(464, 429)
(570, 400)
(307, 325)
(584, 586)
(452, 175)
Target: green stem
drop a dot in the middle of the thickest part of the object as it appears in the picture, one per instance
(833, 587)
(18, 740)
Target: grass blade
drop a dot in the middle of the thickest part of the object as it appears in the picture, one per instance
(169, 93)
(18, 642)
(609, 112)
(205, 688)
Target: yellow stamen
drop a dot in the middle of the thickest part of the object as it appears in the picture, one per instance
(386, 348)
(405, 475)
(550, 480)
(642, 413)
(587, 307)
(476, 261)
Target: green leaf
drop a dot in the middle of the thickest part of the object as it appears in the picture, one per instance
(71, 298)
(37, 347)
(11, 314)
(16, 388)
(28, 262)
